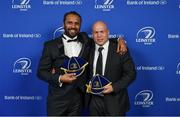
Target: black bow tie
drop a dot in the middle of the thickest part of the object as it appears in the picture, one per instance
(72, 40)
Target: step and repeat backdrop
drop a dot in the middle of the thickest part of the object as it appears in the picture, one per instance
(151, 29)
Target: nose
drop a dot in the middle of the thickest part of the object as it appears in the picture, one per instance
(73, 25)
(98, 34)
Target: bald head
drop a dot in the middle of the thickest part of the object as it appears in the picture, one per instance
(100, 33)
(99, 24)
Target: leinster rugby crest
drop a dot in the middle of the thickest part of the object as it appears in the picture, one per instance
(74, 65)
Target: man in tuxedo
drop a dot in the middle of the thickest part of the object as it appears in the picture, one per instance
(65, 90)
(118, 69)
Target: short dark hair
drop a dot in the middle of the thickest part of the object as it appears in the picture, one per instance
(74, 13)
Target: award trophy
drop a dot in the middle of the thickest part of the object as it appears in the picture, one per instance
(96, 85)
(74, 65)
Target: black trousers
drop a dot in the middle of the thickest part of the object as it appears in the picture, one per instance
(65, 106)
(97, 107)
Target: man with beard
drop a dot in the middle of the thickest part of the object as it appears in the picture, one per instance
(65, 90)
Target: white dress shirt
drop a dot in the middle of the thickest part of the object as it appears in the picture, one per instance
(104, 57)
(71, 49)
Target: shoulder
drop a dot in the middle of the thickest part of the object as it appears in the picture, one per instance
(52, 42)
(113, 40)
(83, 36)
(113, 44)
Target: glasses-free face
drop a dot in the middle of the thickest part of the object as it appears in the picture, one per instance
(100, 33)
(72, 25)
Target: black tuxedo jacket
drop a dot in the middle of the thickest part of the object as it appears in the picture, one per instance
(121, 72)
(53, 57)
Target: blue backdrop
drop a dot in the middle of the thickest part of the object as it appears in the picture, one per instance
(150, 27)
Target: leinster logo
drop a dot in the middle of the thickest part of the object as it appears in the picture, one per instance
(146, 35)
(105, 5)
(178, 69)
(144, 98)
(59, 31)
(22, 66)
(74, 65)
(22, 5)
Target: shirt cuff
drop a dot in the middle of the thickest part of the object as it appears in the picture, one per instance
(60, 83)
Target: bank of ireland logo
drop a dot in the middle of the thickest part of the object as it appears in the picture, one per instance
(22, 66)
(58, 32)
(144, 98)
(178, 69)
(105, 5)
(163, 2)
(146, 35)
(22, 5)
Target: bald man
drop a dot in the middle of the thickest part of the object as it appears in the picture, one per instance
(119, 69)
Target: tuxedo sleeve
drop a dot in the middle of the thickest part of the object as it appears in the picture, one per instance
(128, 73)
(44, 71)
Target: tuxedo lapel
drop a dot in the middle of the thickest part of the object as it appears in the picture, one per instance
(82, 50)
(83, 40)
(60, 46)
(109, 58)
(91, 59)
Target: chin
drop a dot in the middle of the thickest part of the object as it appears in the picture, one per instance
(72, 36)
(100, 43)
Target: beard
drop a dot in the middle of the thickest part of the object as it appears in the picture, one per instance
(71, 32)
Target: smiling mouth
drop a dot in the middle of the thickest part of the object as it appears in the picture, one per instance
(99, 39)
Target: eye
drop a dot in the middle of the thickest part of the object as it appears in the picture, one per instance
(70, 23)
(77, 23)
(96, 32)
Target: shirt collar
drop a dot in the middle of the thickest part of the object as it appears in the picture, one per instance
(68, 38)
(105, 46)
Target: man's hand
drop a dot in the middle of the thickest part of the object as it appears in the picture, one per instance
(53, 71)
(68, 78)
(108, 89)
(121, 49)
